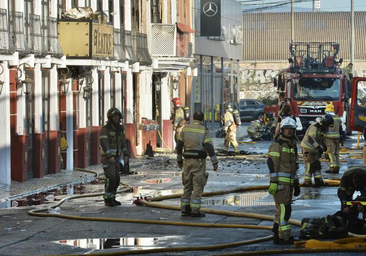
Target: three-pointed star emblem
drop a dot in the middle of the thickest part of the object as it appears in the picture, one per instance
(210, 9)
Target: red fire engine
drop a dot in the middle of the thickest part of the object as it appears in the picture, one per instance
(313, 80)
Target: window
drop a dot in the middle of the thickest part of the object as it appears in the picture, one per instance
(135, 15)
(28, 11)
(101, 98)
(250, 102)
(60, 8)
(45, 15)
(110, 10)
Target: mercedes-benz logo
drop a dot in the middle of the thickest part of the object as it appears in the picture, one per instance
(210, 9)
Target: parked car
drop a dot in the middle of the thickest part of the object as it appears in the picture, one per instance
(251, 109)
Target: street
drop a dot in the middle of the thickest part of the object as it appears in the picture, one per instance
(22, 234)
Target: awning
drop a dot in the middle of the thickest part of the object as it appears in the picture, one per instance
(185, 28)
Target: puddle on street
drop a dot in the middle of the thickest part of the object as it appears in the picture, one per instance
(123, 242)
(316, 195)
(137, 191)
(243, 199)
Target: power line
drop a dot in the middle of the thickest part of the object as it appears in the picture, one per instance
(279, 4)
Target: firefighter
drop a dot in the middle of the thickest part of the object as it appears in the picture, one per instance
(113, 148)
(313, 147)
(194, 143)
(230, 130)
(332, 139)
(283, 164)
(348, 71)
(354, 179)
(281, 101)
(255, 129)
(178, 118)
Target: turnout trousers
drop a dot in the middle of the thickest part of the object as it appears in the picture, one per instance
(194, 179)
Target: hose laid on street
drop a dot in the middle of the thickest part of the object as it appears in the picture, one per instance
(41, 213)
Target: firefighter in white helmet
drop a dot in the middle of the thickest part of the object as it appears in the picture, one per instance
(283, 164)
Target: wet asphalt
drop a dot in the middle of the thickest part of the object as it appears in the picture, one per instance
(21, 234)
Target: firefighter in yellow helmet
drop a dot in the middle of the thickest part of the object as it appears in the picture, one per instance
(113, 149)
(332, 139)
(313, 147)
(194, 144)
(230, 129)
(283, 164)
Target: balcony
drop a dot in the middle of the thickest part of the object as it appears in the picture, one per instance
(119, 41)
(6, 44)
(139, 42)
(52, 42)
(16, 21)
(170, 40)
(131, 56)
(35, 41)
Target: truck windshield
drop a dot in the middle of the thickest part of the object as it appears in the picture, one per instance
(316, 88)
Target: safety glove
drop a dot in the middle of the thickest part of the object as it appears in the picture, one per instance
(320, 151)
(272, 188)
(296, 189)
(324, 147)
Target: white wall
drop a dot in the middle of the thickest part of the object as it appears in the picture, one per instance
(5, 149)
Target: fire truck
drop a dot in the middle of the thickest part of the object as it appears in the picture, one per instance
(313, 80)
(357, 111)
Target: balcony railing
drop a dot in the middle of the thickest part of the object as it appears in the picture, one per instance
(34, 36)
(139, 42)
(129, 47)
(16, 22)
(6, 44)
(119, 51)
(167, 40)
(54, 47)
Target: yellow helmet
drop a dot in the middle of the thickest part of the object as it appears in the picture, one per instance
(329, 107)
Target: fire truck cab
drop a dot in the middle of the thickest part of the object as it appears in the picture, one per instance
(313, 80)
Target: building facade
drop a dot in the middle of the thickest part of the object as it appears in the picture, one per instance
(64, 63)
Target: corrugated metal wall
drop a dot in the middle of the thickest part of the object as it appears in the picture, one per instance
(266, 36)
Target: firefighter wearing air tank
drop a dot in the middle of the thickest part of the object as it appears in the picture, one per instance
(313, 147)
(113, 148)
(180, 117)
(231, 123)
(283, 164)
(194, 143)
(332, 139)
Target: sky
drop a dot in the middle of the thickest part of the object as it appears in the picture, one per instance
(326, 5)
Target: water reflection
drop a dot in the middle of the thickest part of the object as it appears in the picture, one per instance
(243, 199)
(123, 242)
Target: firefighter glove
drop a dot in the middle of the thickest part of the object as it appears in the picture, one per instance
(215, 167)
(320, 151)
(296, 189)
(272, 188)
(324, 147)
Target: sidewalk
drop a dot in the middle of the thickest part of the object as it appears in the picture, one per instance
(18, 190)
(60, 180)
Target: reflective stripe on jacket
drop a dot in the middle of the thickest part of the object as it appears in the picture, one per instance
(333, 132)
(282, 161)
(112, 141)
(194, 142)
(313, 137)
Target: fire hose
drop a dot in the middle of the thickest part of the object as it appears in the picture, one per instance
(44, 212)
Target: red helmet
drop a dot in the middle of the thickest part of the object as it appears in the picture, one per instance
(176, 101)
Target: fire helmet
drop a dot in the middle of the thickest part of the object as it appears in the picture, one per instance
(329, 107)
(288, 122)
(327, 120)
(176, 101)
(113, 111)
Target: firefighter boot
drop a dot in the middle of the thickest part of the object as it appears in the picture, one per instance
(109, 202)
(198, 214)
(336, 169)
(275, 233)
(320, 183)
(116, 202)
(290, 241)
(331, 170)
(187, 211)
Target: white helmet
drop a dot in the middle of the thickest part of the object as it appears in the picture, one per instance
(288, 122)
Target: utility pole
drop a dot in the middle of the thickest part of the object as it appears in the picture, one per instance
(352, 33)
(292, 21)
